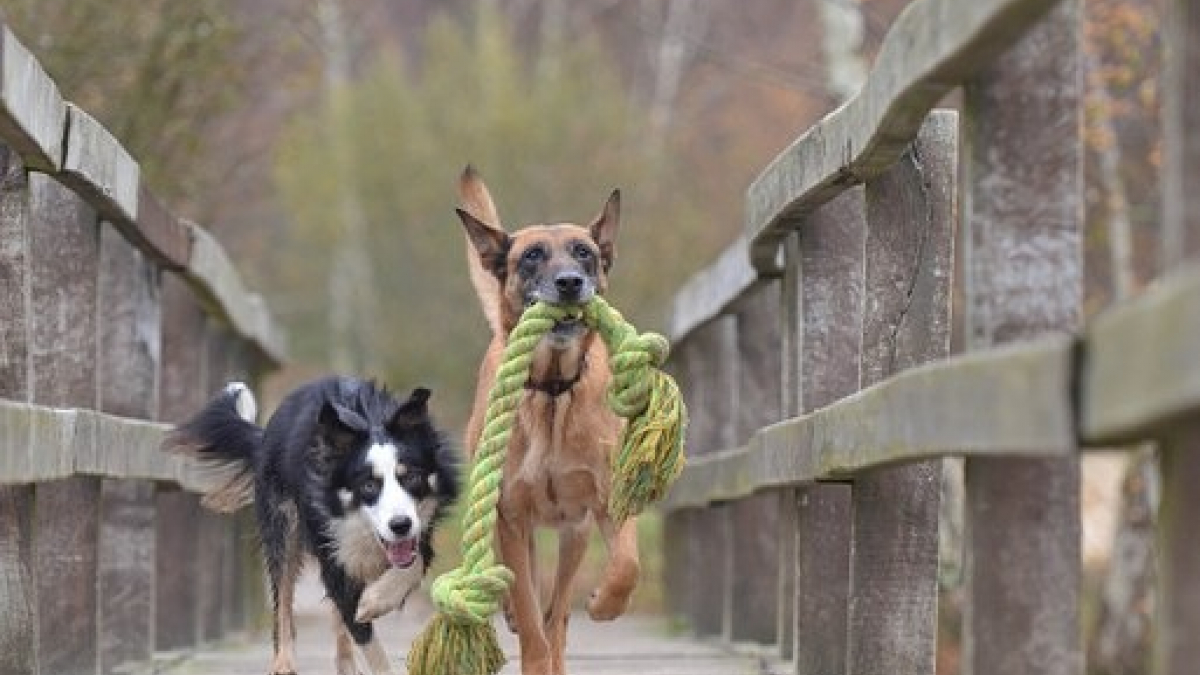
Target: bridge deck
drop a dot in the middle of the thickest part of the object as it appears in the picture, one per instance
(641, 645)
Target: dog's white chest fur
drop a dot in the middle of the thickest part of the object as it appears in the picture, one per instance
(358, 549)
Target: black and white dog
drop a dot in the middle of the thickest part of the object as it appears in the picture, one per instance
(343, 471)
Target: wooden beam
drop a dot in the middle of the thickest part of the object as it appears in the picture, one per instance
(933, 46)
(1139, 376)
(923, 413)
(33, 115)
(710, 291)
(218, 284)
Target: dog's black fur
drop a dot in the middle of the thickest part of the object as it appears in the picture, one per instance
(343, 471)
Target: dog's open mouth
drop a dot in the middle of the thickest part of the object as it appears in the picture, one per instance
(401, 553)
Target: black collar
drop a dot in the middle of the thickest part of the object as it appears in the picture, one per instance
(556, 387)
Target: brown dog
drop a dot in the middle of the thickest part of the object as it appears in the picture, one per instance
(557, 473)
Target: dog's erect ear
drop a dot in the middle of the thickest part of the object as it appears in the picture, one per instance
(340, 426)
(491, 243)
(604, 229)
(411, 413)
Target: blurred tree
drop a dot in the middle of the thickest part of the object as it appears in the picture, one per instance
(157, 73)
(551, 142)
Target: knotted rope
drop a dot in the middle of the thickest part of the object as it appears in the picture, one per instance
(461, 639)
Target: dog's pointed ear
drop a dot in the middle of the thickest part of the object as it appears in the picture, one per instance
(490, 242)
(340, 426)
(411, 413)
(604, 230)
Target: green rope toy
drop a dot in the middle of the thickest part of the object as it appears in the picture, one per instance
(461, 639)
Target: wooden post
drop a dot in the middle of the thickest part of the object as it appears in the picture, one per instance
(1022, 227)
(177, 613)
(710, 369)
(754, 520)
(906, 322)
(831, 295)
(17, 594)
(64, 254)
(128, 364)
(790, 345)
(1176, 649)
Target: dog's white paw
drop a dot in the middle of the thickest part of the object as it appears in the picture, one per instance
(376, 601)
(388, 592)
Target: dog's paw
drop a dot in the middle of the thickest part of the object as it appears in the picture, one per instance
(370, 608)
(603, 606)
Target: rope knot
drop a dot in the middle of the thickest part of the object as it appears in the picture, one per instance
(471, 596)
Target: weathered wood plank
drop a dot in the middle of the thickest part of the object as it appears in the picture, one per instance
(33, 115)
(214, 279)
(159, 234)
(1138, 377)
(130, 329)
(125, 588)
(831, 309)
(47, 443)
(932, 47)
(1022, 220)
(65, 531)
(790, 347)
(176, 533)
(909, 261)
(129, 336)
(183, 379)
(707, 367)
(99, 168)
(64, 257)
(1178, 553)
(1177, 606)
(754, 521)
(922, 413)
(63, 254)
(14, 277)
(17, 588)
(710, 291)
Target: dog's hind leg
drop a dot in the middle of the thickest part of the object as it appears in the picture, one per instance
(281, 549)
(572, 544)
(621, 573)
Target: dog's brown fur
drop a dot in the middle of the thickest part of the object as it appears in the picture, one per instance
(557, 473)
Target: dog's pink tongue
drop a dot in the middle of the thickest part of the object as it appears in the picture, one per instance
(402, 553)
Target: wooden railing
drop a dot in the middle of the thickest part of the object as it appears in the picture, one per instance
(116, 318)
(825, 403)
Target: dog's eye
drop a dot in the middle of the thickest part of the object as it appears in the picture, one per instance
(535, 254)
(413, 481)
(581, 252)
(369, 488)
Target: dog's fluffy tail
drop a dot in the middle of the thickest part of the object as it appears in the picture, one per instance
(477, 200)
(224, 439)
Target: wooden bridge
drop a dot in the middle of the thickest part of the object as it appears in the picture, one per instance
(829, 416)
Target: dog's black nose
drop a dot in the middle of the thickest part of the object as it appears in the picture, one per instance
(401, 525)
(569, 284)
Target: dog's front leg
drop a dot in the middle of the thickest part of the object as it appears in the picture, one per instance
(621, 573)
(344, 650)
(343, 646)
(572, 544)
(389, 592)
(514, 540)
